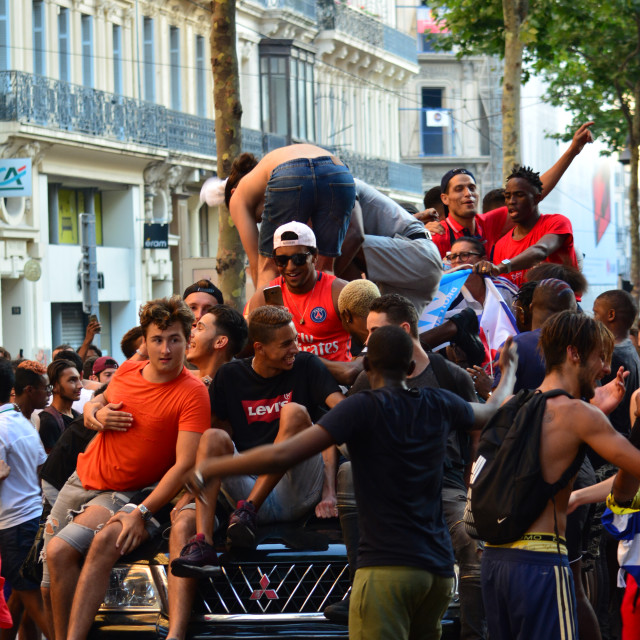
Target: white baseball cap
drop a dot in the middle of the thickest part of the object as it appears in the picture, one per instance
(303, 235)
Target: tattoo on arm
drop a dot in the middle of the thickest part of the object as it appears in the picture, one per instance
(549, 416)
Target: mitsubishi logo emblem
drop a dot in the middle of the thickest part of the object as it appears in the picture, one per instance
(263, 591)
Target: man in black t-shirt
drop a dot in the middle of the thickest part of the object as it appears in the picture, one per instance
(397, 440)
(260, 400)
(67, 385)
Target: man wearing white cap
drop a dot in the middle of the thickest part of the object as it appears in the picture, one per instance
(311, 296)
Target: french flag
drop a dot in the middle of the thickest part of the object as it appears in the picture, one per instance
(496, 322)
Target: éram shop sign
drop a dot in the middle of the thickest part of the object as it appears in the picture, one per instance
(156, 235)
(15, 177)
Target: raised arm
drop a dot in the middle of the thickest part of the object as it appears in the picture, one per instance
(551, 177)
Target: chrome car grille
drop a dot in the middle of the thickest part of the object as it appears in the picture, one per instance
(275, 588)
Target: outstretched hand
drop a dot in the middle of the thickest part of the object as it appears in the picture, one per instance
(610, 395)
(581, 137)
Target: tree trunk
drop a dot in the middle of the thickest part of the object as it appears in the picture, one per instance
(515, 12)
(230, 261)
(634, 217)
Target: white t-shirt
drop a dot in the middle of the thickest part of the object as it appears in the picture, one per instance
(22, 450)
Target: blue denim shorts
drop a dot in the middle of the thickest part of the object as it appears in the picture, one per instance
(315, 189)
(15, 543)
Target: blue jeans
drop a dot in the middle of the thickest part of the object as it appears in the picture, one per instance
(304, 189)
(15, 544)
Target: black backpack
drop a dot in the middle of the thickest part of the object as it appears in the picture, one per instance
(507, 492)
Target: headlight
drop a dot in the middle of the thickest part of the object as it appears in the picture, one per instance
(131, 587)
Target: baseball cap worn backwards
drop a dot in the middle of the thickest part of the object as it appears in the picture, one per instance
(102, 363)
(292, 234)
(204, 286)
(444, 183)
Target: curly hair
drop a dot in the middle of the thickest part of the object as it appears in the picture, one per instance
(265, 321)
(33, 365)
(528, 174)
(242, 165)
(164, 312)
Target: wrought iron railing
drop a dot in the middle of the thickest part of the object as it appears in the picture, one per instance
(336, 15)
(34, 99)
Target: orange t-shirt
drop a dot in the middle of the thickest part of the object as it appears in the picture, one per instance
(322, 332)
(140, 456)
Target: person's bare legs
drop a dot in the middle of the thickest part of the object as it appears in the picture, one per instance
(94, 580)
(293, 419)
(213, 443)
(64, 563)
(30, 602)
(45, 592)
(182, 591)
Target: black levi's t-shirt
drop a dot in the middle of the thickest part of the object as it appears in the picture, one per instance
(397, 440)
(252, 403)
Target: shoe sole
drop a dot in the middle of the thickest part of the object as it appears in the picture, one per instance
(192, 571)
(239, 536)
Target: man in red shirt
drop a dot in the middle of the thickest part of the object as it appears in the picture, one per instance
(535, 238)
(311, 296)
(460, 195)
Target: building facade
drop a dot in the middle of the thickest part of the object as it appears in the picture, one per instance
(111, 102)
(451, 116)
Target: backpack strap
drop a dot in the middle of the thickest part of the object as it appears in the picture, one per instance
(441, 371)
(574, 467)
(56, 415)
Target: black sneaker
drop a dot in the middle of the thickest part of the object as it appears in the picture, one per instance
(241, 532)
(468, 336)
(338, 612)
(197, 558)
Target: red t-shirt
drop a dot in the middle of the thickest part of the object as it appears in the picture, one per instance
(555, 223)
(140, 456)
(322, 332)
(488, 228)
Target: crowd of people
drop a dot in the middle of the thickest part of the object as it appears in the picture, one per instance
(324, 398)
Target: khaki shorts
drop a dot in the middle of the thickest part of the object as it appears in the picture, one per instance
(72, 500)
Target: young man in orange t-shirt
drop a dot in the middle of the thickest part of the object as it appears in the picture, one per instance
(149, 420)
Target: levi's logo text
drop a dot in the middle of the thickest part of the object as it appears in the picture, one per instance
(266, 410)
(318, 314)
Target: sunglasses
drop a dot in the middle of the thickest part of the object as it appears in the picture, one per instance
(298, 259)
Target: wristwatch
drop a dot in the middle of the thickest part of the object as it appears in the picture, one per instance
(144, 512)
(507, 263)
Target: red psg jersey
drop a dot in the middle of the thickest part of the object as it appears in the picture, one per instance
(322, 332)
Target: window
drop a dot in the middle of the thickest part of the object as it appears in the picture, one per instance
(70, 204)
(174, 57)
(287, 90)
(87, 50)
(64, 62)
(432, 134)
(117, 59)
(201, 79)
(39, 43)
(5, 55)
(149, 67)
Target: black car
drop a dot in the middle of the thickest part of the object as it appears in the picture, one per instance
(277, 591)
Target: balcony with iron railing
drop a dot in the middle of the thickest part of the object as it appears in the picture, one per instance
(68, 108)
(61, 106)
(338, 16)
